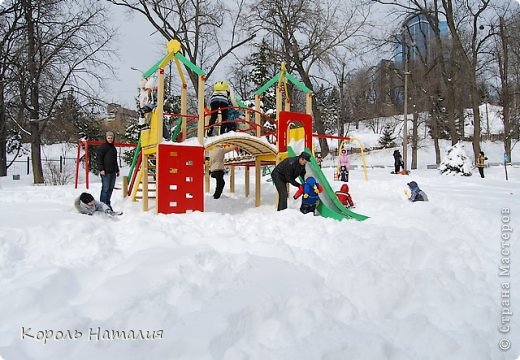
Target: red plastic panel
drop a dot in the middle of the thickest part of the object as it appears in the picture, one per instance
(286, 118)
(180, 180)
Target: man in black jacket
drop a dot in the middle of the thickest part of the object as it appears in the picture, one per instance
(108, 168)
(285, 173)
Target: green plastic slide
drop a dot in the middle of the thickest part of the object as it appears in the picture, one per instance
(329, 206)
(176, 131)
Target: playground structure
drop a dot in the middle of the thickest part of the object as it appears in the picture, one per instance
(171, 172)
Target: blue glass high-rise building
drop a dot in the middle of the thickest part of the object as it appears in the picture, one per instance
(417, 38)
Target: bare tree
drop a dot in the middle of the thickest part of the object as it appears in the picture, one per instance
(468, 43)
(9, 37)
(66, 46)
(306, 34)
(506, 39)
(342, 78)
(467, 22)
(207, 30)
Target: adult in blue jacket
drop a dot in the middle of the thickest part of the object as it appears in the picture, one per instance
(107, 167)
(287, 172)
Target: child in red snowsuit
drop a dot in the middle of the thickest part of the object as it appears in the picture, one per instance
(344, 196)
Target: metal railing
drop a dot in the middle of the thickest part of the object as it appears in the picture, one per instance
(24, 167)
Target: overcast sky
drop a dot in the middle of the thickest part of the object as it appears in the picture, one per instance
(139, 47)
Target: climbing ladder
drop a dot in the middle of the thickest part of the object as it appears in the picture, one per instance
(148, 181)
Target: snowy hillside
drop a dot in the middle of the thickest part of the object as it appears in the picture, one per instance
(370, 132)
(414, 281)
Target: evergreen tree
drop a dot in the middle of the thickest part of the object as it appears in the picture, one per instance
(71, 122)
(262, 71)
(328, 105)
(387, 139)
(15, 145)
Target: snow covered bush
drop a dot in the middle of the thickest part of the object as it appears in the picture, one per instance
(456, 162)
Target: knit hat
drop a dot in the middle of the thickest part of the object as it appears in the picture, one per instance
(109, 133)
(305, 156)
(310, 181)
(220, 86)
(85, 198)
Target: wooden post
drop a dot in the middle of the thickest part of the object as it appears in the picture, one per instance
(258, 178)
(257, 115)
(125, 186)
(308, 104)
(232, 179)
(246, 181)
(184, 109)
(279, 91)
(160, 104)
(207, 180)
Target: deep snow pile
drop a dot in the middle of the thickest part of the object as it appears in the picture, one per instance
(415, 281)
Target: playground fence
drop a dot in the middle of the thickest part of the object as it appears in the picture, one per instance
(23, 166)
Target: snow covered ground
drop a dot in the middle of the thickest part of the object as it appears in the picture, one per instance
(415, 281)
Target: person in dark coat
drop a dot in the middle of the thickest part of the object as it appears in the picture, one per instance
(108, 168)
(220, 99)
(398, 162)
(285, 173)
(343, 173)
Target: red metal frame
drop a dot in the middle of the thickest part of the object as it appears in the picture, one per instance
(85, 144)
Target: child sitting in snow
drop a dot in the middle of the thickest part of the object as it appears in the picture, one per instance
(310, 190)
(416, 193)
(344, 196)
(86, 204)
